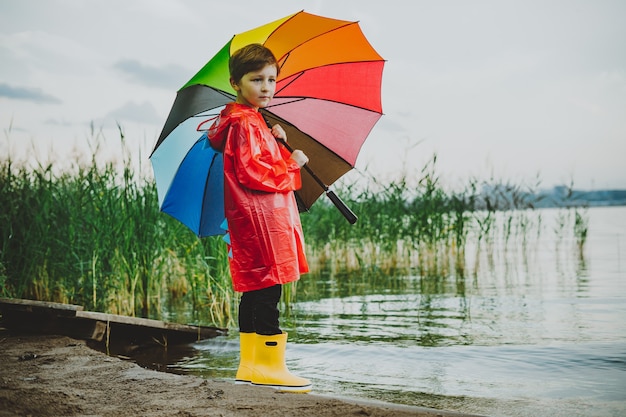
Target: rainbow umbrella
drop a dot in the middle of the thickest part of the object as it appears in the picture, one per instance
(327, 99)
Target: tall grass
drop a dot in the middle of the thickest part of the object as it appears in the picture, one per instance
(416, 226)
(92, 234)
(403, 225)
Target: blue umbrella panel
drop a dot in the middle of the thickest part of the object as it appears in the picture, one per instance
(195, 195)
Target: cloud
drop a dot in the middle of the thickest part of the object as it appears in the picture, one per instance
(134, 112)
(29, 94)
(474, 82)
(169, 77)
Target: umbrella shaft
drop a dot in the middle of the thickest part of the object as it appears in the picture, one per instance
(341, 206)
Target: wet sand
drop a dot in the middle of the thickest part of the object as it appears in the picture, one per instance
(44, 375)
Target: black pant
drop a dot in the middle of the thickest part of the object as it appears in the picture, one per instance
(258, 311)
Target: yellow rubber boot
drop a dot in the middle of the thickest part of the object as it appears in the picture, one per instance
(270, 369)
(247, 343)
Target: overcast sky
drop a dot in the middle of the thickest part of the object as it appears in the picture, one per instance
(514, 90)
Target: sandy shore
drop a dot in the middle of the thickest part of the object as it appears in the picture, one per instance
(42, 375)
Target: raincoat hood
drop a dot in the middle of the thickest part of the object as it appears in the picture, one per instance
(218, 132)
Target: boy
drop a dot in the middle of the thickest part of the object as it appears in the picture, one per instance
(266, 236)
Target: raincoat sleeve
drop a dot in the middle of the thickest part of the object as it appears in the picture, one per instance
(260, 163)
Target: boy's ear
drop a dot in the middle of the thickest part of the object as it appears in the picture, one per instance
(233, 84)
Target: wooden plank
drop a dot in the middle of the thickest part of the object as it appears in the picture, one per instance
(29, 304)
(114, 318)
(99, 332)
(138, 321)
(72, 320)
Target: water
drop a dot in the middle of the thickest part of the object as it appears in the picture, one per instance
(532, 329)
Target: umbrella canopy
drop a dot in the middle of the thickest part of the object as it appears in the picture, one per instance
(327, 98)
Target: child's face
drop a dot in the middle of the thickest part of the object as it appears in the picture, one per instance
(256, 89)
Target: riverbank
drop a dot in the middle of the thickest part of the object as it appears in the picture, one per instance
(45, 376)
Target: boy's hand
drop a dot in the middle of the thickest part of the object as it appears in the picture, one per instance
(278, 132)
(297, 155)
(300, 158)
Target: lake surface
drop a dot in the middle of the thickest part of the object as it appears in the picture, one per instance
(532, 329)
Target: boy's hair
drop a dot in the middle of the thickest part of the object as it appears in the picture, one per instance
(250, 58)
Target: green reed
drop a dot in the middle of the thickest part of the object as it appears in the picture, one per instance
(581, 229)
(411, 224)
(93, 235)
(415, 225)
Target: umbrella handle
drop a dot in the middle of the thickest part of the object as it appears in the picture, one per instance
(341, 206)
(343, 209)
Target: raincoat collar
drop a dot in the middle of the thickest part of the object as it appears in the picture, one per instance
(218, 132)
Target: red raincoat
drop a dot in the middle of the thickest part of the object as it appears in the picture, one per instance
(263, 220)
